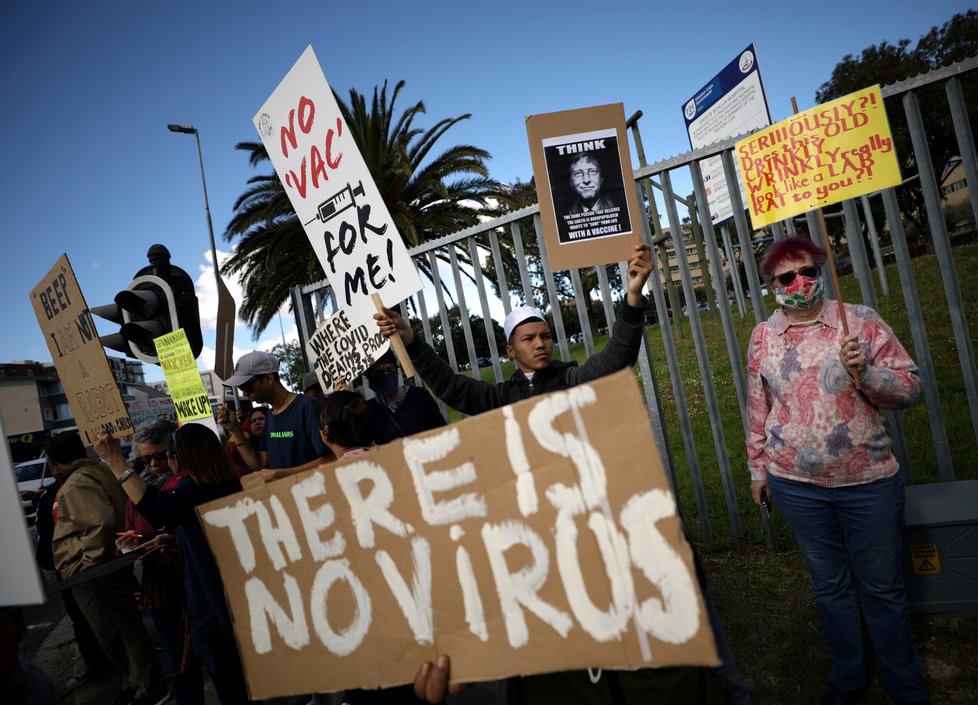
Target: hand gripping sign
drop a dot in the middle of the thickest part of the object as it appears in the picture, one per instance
(518, 541)
(334, 196)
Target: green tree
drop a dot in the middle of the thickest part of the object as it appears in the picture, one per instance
(885, 63)
(292, 365)
(428, 195)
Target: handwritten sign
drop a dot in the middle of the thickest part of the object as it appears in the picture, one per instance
(830, 153)
(528, 527)
(583, 173)
(78, 356)
(333, 194)
(143, 410)
(339, 348)
(183, 376)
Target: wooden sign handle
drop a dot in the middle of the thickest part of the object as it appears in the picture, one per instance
(396, 342)
(836, 288)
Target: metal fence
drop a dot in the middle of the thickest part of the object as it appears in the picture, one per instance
(459, 265)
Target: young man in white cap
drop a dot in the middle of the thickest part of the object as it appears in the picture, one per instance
(290, 442)
(531, 345)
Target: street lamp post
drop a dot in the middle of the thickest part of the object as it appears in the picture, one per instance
(223, 362)
(191, 130)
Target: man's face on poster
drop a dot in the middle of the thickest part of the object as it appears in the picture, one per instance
(585, 177)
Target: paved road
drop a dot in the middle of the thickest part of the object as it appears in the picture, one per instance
(50, 645)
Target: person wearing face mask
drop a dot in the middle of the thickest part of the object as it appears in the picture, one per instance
(820, 447)
(397, 411)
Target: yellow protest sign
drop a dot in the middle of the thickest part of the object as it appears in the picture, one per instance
(182, 376)
(926, 559)
(830, 153)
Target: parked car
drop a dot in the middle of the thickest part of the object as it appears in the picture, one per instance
(32, 476)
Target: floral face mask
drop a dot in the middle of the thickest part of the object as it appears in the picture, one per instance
(802, 293)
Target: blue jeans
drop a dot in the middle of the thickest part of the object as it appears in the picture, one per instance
(851, 539)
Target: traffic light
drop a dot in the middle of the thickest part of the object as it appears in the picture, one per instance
(159, 300)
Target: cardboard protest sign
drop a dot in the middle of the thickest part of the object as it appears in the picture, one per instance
(333, 194)
(143, 410)
(339, 348)
(534, 538)
(78, 355)
(732, 103)
(20, 580)
(830, 153)
(183, 377)
(583, 174)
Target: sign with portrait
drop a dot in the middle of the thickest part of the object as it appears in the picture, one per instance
(333, 194)
(585, 186)
(518, 541)
(78, 355)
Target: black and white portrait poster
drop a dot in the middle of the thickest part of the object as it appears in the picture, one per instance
(584, 185)
(587, 184)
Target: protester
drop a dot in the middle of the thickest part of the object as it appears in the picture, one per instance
(253, 430)
(92, 660)
(89, 512)
(530, 344)
(397, 411)
(821, 448)
(21, 682)
(290, 443)
(311, 386)
(203, 473)
(344, 424)
(161, 587)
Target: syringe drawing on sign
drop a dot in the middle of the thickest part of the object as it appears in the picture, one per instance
(338, 202)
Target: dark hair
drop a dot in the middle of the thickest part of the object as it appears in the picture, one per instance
(200, 453)
(387, 357)
(263, 410)
(155, 431)
(794, 247)
(65, 448)
(345, 419)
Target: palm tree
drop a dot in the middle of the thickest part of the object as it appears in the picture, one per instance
(428, 197)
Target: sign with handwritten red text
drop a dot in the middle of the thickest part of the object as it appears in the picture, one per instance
(830, 153)
(332, 192)
(518, 541)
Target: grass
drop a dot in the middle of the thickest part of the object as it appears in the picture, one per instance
(764, 596)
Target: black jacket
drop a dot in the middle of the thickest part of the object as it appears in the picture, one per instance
(473, 396)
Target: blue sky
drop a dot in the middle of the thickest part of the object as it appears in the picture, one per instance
(88, 88)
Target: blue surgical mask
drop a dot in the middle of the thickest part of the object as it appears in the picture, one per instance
(385, 383)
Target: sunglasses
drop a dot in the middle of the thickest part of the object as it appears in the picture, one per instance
(246, 387)
(159, 457)
(788, 277)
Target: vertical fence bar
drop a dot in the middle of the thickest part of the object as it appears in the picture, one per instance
(744, 235)
(522, 264)
(942, 248)
(966, 140)
(857, 254)
(925, 363)
(463, 312)
(480, 286)
(497, 260)
(733, 269)
(814, 231)
(548, 277)
(446, 327)
(709, 388)
(582, 312)
(874, 242)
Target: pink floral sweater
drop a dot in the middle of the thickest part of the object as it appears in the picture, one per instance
(806, 421)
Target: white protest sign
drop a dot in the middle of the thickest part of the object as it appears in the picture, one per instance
(333, 194)
(538, 537)
(339, 348)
